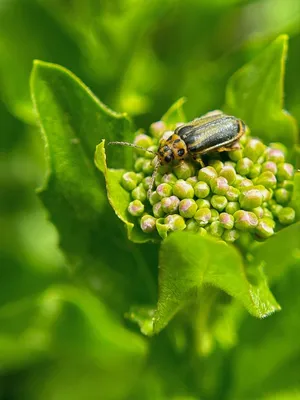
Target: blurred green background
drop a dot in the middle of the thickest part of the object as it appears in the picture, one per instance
(56, 340)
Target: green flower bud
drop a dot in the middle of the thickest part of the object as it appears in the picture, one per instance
(250, 198)
(254, 149)
(142, 140)
(136, 208)
(255, 171)
(232, 193)
(275, 155)
(244, 165)
(275, 209)
(206, 174)
(169, 178)
(148, 223)
(219, 185)
(184, 170)
(266, 194)
(258, 211)
(266, 179)
(158, 211)
(236, 155)
(183, 190)
(164, 190)
(187, 208)
(148, 167)
(226, 220)
(238, 180)
(203, 203)
(245, 220)
(282, 196)
(285, 172)
(201, 190)
(140, 177)
(170, 204)
(150, 150)
(146, 182)
(154, 198)
(230, 236)
(139, 163)
(162, 169)
(267, 213)
(216, 229)
(162, 228)
(286, 215)
(265, 228)
(175, 222)
(192, 225)
(192, 180)
(214, 215)
(288, 185)
(203, 216)
(245, 183)
(219, 202)
(216, 164)
(232, 207)
(139, 193)
(229, 173)
(202, 231)
(269, 166)
(158, 179)
(129, 180)
(157, 129)
(230, 164)
(260, 160)
(245, 240)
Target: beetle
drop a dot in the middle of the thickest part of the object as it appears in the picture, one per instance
(214, 131)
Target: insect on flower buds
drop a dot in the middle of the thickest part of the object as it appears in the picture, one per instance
(244, 196)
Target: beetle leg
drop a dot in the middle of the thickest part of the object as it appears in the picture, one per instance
(234, 146)
(198, 159)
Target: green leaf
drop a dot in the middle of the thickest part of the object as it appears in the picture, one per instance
(269, 253)
(72, 122)
(295, 203)
(255, 94)
(189, 262)
(175, 114)
(119, 198)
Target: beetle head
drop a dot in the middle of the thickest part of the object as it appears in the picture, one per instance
(173, 148)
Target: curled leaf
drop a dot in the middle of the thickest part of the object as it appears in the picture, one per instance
(188, 262)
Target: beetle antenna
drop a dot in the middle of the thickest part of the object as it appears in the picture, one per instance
(132, 145)
(154, 174)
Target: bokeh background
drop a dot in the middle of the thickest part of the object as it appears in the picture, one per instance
(137, 56)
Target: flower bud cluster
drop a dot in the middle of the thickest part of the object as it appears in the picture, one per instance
(240, 195)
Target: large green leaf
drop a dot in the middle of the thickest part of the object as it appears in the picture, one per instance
(189, 262)
(255, 94)
(270, 253)
(73, 121)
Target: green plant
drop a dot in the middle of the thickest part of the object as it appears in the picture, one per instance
(203, 280)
